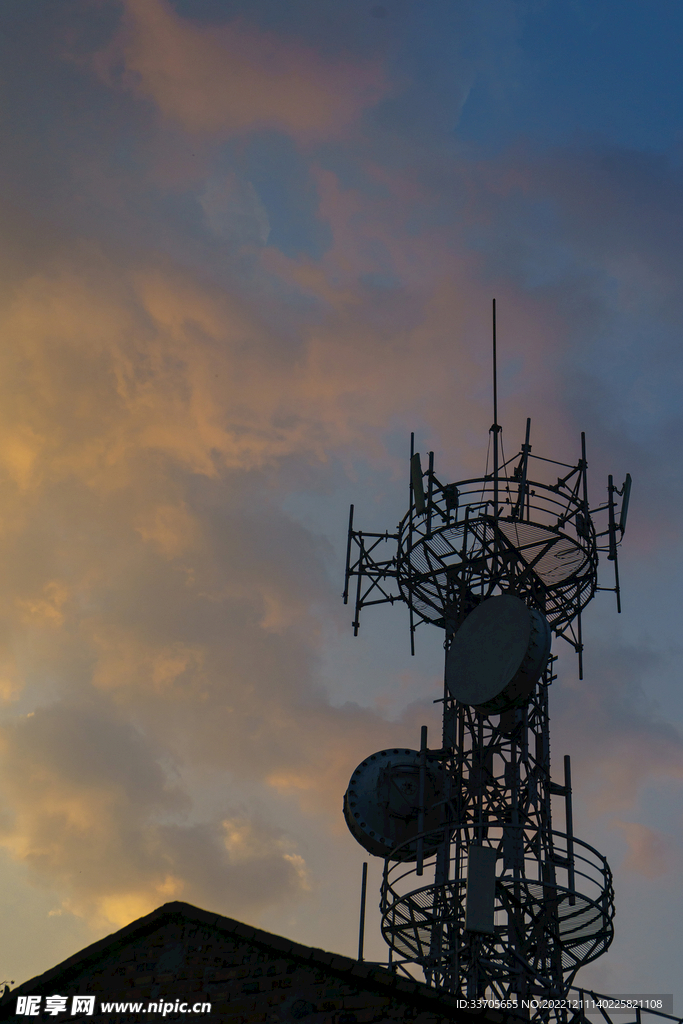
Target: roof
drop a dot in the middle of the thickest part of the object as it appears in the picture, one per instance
(364, 975)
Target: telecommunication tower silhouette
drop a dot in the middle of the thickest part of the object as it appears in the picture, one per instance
(479, 889)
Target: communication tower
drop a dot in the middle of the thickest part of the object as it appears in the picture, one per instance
(479, 889)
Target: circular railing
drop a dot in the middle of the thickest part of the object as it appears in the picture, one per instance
(426, 924)
(546, 551)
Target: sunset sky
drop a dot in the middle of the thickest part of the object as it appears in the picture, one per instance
(247, 246)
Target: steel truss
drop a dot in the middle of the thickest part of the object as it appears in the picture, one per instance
(463, 542)
(554, 896)
(459, 544)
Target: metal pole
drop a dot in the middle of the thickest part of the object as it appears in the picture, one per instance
(584, 475)
(612, 537)
(363, 893)
(495, 428)
(495, 375)
(348, 557)
(570, 826)
(356, 621)
(410, 541)
(430, 487)
(421, 799)
(526, 448)
(612, 526)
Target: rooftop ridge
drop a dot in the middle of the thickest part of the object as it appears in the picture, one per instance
(371, 975)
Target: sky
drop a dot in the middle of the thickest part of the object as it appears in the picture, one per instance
(246, 249)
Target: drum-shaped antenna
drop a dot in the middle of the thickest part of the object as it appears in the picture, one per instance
(381, 805)
(498, 654)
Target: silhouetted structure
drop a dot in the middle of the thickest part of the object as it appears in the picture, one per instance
(182, 963)
(513, 906)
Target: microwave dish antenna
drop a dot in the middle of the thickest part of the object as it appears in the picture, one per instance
(498, 654)
(501, 563)
(383, 802)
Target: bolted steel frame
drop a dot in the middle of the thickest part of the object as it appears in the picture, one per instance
(506, 532)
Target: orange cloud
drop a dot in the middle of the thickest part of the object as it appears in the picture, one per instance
(82, 789)
(228, 78)
(147, 566)
(127, 366)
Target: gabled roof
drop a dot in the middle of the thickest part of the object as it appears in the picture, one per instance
(362, 975)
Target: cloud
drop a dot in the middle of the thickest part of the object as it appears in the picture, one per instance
(234, 211)
(161, 615)
(597, 230)
(225, 79)
(133, 365)
(150, 571)
(650, 852)
(90, 814)
(621, 744)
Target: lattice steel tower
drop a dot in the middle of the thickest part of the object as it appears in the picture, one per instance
(479, 889)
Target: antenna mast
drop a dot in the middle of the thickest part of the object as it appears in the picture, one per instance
(510, 906)
(495, 428)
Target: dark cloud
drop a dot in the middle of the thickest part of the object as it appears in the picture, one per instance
(621, 741)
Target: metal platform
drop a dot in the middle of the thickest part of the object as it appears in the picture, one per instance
(535, 920)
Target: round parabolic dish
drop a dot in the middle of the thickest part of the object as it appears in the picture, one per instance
(381, 805)
(498, 654)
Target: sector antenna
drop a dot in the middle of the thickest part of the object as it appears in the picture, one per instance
(480, 889)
